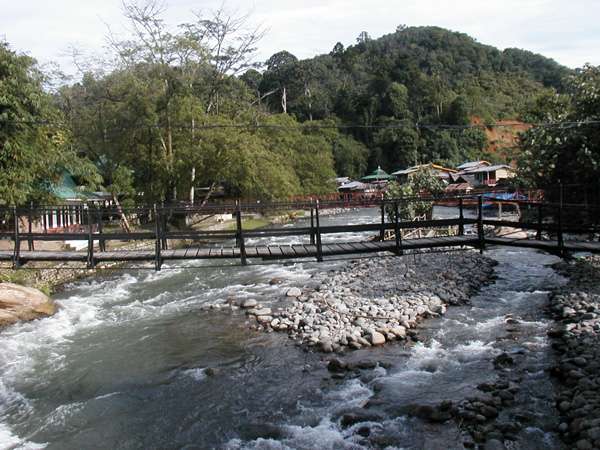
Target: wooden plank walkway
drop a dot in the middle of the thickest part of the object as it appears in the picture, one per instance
(291, 251)
(294, 250)
(260, 251)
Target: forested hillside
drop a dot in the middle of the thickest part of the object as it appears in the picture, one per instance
(169, 111)
(407, 94)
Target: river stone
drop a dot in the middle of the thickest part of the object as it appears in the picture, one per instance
(337, 365)
(358, 416)
(293, 292)
(494, 444)
(376, 338)
(489, 411)
(264, 319)
(423, 412)
(20, 304)
(249, 303)
(261, 312)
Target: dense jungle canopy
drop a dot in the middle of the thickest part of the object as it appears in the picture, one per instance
(170, 109)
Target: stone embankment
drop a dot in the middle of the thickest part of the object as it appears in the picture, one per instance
(373, 301)
(576, 310)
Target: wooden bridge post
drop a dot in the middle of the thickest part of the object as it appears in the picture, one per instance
(399, 250)
(382, 232)
(312, 224)
(30, 224)
(240, 235)
(163, 228)
(90, 254)
(540, 218)
(101, 241)
(559, 235)
(461, 218)
(157, 246)
(480, 231)
(17, 254)
(318, 236)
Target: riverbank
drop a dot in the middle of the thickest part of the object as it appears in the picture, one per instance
(576, 310)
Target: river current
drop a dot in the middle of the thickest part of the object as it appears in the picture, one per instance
(123, 364)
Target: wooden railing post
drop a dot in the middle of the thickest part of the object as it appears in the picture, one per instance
(559, 237)
(30, 223)
(480, 231)
(101, 241)
(538, 235)
(399, 250)
(461, 218)
(382, 232)
(318, 236)
(240, 235)
(163, 228)
(157, 247)
(17, 254)
(90, 255)
(312, 224)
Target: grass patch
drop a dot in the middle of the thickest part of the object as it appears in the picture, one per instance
(249, 224)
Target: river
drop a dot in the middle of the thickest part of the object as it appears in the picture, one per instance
(123, 364)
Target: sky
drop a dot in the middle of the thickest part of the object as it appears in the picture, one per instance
(566, 31)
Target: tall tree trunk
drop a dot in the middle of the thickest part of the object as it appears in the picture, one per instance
(309, 96)
(192, 179)
(126, 226)
(284, 100)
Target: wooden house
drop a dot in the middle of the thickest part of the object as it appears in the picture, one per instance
(490, 176)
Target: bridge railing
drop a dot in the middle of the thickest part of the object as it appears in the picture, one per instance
(24, 228)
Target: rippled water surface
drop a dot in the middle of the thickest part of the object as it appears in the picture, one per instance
(122, 365)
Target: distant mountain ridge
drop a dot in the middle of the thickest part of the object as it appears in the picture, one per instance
(391, 89)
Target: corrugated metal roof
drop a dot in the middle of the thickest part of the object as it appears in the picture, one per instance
(471, 164)
(489, 168)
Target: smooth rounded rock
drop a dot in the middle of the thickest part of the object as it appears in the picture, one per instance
(21, 304)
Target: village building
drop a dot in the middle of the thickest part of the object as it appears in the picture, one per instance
(443, 173)
(490, 176)
(473, 165)
(459, 184)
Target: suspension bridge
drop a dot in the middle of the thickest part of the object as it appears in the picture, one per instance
(167, 236)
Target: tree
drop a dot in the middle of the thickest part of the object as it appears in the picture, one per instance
(421, 183)
(33, 155)
(279, 75)
(167, 84)
(565, 158)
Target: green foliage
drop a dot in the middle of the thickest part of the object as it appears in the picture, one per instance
(171, 114)
(411, 79)
(421, 183)
(33, 151)
(565, 158)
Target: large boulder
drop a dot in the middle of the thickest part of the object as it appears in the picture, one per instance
(21, 303)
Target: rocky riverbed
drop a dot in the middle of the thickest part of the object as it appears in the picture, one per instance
(372, 301)
(382, 300)
(576, 311)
